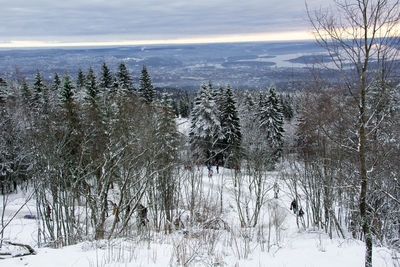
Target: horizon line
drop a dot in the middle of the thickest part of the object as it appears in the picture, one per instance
(231, 38)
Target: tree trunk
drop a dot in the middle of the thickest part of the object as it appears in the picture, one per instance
(363, 174)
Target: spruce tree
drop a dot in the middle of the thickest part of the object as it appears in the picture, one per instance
(271, 121)
(166, 131)
(3, 87)
(92, 89)
(230, 128)
(184, 106)
(184, 109)
(146, 90)
(67, 90)
(248, 111)
(80, 80)
(286, 104)
(124, 79)
(56, 83)
(106, 78)
(220, 99)
(248, 99)
(3, 82)
(205, 132)
(26, 92)
(38, 87)
(175, 107)
(115, 84)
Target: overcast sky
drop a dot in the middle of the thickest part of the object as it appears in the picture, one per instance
(122, 20)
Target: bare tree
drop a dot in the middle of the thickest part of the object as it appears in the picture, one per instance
(361, 38)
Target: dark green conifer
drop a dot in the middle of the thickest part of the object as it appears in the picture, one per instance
(38, 87)
(26, 92)
(92, 89)
(67, 89)
(205, 133)
(80, 80)
(124, 78)
(230, 128)
(271, 120)
(3, 88)
(146, 90)
(56, 83)
(106, 78)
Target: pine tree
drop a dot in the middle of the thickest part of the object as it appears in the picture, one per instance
(106, 78)
(92, 89)
(124, 78)
(271, 120)
(146, 90)
(230, 128)
(205, 132)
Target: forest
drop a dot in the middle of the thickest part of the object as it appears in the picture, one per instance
(103, 158)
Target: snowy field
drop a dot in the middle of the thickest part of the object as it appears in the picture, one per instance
(287, 245)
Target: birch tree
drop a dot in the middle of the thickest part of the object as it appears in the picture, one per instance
(360, 37)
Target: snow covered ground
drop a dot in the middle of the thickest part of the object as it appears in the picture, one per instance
(196, 247)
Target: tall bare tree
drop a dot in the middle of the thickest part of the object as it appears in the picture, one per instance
(361, 38)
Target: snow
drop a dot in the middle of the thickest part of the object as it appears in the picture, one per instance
(183, 125)
(237, 247)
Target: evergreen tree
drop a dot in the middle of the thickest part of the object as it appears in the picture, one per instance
(230, 128)
(106, 78)
(184, 106)
(3, 87)
(248, 99)
(211, 87)
(67, 89)
(184, 109)
(146, 90)
(3, 82)
(248, 112)
(166, 128)
(26, 92)
(115, 84)
(80, 80)
(175, 107)
(56, 83)
(92, 89)
(38, 87)
(124, 78)
(220, 99)
(271, 120)
(286, 104)
(45, 99)
(205, 131)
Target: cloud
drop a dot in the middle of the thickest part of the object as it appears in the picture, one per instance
(100, 20)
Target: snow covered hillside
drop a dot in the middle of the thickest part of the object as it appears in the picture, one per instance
(218, 240)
